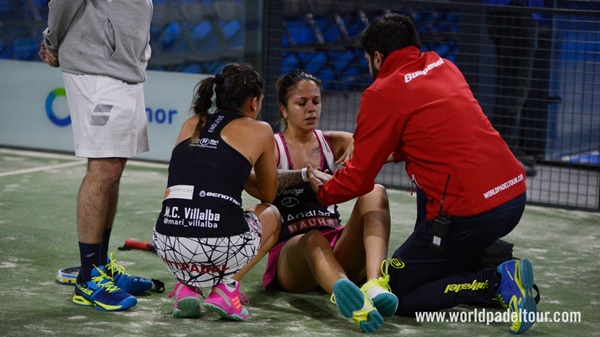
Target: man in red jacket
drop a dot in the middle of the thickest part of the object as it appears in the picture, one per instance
(470, 188)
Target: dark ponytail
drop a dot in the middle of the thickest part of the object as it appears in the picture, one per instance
(202, 103)
(233, 87)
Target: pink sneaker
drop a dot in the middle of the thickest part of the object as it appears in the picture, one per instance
(226, 300)
(187, 301)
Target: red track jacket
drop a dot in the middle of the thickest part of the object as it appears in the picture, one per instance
(421, 109)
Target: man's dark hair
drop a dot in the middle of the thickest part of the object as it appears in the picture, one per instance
(389, 32)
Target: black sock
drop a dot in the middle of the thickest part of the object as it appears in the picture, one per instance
(104, 248)
(89, 253)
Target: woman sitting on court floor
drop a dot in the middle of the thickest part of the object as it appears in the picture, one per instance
(314, 249)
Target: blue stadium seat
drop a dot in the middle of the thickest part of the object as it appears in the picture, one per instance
(168, 34)
(5, 50)
(202, 34)
(230, 16)
(5, 7)
(25, 48)
(290, 62)
(299, 32)
(330, 31)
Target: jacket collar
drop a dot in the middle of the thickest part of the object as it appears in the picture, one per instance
(396, 59)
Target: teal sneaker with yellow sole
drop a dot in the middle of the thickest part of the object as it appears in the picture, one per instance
(101, 293)
(516, 293)
(353, 304)
(379, 291)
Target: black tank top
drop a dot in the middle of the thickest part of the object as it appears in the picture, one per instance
(205, 184)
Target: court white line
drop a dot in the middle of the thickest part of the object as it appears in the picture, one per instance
(43, 168)
(39, 154)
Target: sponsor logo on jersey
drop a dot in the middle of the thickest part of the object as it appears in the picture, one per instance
(411, 76)
(180, 192)
(291, 191)
(290, 202)
(194, 268)
(503, 186)
(206, 143)
(212, 127)
(313, 223)
(397, 263)
(207, 194)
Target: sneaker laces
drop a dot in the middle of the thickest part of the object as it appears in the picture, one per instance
(104, 281)
(244, 299)
(114, 268)
(382, 282)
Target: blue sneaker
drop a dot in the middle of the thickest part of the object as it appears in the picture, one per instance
(130, 284)
(352, 303)
(516, 293)
(379, 291)
(102, 293)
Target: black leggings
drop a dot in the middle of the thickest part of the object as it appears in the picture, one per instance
(427, 280)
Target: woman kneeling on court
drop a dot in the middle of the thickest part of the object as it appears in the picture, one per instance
(314, 250)
(202, 234)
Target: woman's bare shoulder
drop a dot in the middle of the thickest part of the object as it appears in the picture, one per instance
(187, 129)
(256, 127)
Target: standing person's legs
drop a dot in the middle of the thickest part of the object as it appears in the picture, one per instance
(109, 125)
(96, 209)
(96, 206)
(113, 201)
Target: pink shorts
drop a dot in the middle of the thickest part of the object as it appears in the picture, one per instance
(270, 277)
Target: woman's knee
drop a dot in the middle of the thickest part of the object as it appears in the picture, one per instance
(313, 239)
(266, 212)
(377, 199)
(269, 216)
(380, 192)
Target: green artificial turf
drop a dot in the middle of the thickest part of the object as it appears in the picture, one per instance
(38, 237)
